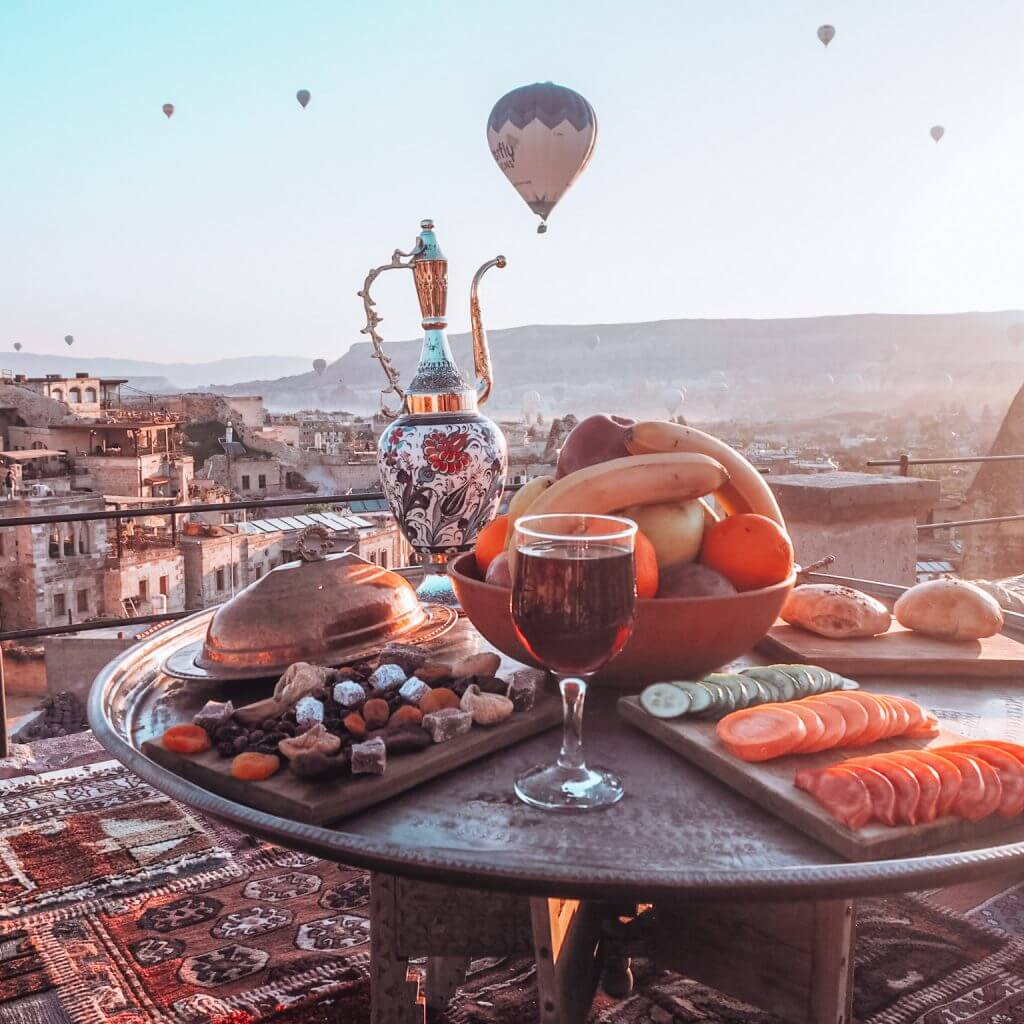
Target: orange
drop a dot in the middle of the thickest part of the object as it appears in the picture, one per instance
(645, 564)
(749, 550)
(490, 542)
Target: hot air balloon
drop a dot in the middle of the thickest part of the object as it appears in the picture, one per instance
(593, 343)
(828, 380)
(826, 33)
(168, 109)
(541, 137)
(947, 379)
(936, 131)
(672, 399)
(1015, 332)
(69, 340)
(303, 97)
(319, 365)
(17, 346)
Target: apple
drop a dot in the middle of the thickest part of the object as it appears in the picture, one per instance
(676, 529)
(598, 438)
(499, 572)
(691, 579)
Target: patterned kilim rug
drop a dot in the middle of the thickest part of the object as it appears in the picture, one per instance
(121, 907)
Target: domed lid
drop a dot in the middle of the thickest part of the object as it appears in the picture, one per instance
(328, 610)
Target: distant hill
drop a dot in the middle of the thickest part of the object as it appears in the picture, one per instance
(725, 366)
(152, 375)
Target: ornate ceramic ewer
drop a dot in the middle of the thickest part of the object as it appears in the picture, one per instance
(442, 464)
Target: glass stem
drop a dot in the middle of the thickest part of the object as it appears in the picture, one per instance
(574, 693)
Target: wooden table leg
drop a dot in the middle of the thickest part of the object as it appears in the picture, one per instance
(566, 935)
(444, 975)
(831, 995)
(394, 998)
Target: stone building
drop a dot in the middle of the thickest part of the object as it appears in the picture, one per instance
(996, 551)
(218, 562)
(83, 394)
(53, 575)
(145, 580)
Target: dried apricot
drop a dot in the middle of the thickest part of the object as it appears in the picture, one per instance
(407, 713)
(186, 739)
(376, 713)
(438, 699)
(254, 767)
(354, 724)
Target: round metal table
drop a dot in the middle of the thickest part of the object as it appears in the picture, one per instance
(679, 836)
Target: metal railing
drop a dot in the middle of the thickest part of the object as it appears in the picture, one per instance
(904, 462)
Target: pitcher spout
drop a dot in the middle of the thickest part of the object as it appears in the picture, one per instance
(481, 352)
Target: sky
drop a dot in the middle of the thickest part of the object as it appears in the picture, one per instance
(741, 169)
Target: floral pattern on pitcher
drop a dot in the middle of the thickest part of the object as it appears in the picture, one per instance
(444, 481)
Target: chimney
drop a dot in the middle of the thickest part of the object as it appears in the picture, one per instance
(81, 376)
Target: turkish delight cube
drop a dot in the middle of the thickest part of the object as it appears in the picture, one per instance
(523, 687)
(447, 723)
(387, 677)
(413, 690)
(369, 758)
(213, 715)
(348, 693)
(309, 712)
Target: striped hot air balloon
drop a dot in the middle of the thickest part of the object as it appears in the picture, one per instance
(542, 137)
(168, 109)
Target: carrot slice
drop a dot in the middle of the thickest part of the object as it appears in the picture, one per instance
(186, 739)
(974, 802)
(899, 714)
(880, 790)
(761, 733)
(842, 793)
(834, 724)
(930, 727)
(904, 782)
(812, 723)
(949, 776)
(918, 715)
(1009, 770)
(855, 715)
(878, 716)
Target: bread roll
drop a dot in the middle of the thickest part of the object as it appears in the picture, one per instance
(950, 610)
(834, 611)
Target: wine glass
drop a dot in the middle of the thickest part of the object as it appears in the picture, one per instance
(573, 599)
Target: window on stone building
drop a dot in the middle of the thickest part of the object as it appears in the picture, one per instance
(74, 395)
(257, 570)
(60, 607)
(54, 543)
(58, 394)
(83, 600)
(83, 539)
(220, 579)
(245, 481)
(143, 589)
(90, 394)
(384, 557)
(263, 481)
(164, 587)
(234, 575)
(2, 545)
(69, 543)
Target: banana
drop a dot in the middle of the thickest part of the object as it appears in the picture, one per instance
(633, 480)
(524, 498)
(745, 491)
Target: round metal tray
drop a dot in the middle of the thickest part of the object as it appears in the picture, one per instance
(678, 834)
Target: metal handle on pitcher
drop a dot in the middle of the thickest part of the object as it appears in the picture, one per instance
(481, 351)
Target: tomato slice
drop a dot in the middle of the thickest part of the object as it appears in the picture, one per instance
(878, 716)
(880, 790)
(904, 782)
(844, 795)
(761, 733)
(917, 715)
(812, 723)
(1011, 748)
(949, 777)
(929, 780)
(834, 726)
(855, 715)
(972, 782)
(1009, 770)
(930, 727)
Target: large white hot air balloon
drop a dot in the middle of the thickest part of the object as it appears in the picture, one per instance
(17, 346)
(672, 399)
(303, 97)
(69, 340)
(168, 109)
(319, 365)
(936, 131)
(826, 33)
(542, 137)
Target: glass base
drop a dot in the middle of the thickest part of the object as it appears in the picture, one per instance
(554, 788)
(436, 588)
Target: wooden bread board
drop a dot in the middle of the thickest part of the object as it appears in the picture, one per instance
(321, 802)
(770, 785)
(899, 652)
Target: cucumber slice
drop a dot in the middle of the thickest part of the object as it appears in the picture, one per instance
(783, 684)
(723, 701)
(663, 700)
(701, 698)
(765, 694)
(847, 684)
(735, 685)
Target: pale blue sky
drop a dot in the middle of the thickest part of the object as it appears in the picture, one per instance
(741, 168)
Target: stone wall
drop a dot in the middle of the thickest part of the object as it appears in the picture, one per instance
(73, 662)
(867, 522)
(148, 570)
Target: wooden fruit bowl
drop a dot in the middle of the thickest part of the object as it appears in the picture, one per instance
(673, 638)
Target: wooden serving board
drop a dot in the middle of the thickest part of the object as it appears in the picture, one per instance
(899, 652)
(323, 802)
(770, 785)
